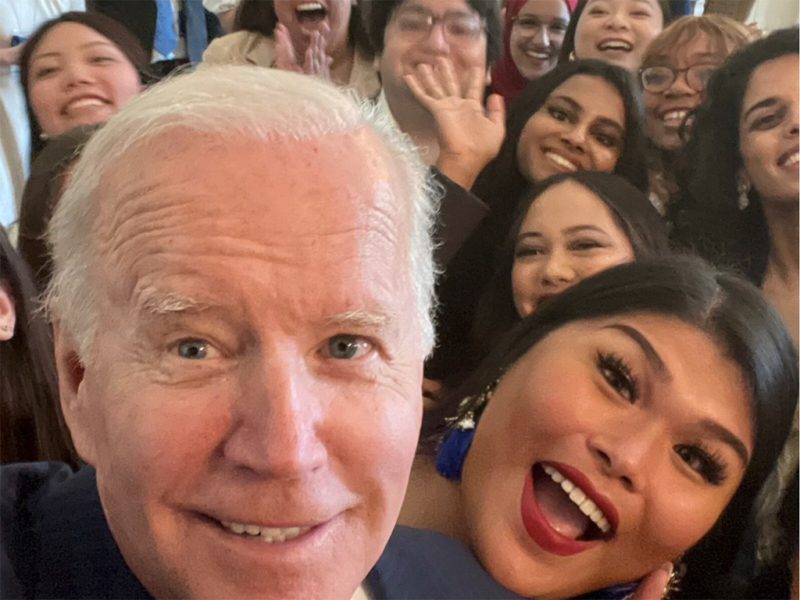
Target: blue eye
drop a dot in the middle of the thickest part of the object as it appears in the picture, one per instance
(193, 349)
(346, 347)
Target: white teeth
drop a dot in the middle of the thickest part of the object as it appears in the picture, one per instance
(616, 45)
(675, 115)
(83, 103)
(561, 161)
(309, 6)
(267, 534)
(537, 55)
(792, 160)
(579, 498)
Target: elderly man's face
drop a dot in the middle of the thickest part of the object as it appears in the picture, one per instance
(253, 402)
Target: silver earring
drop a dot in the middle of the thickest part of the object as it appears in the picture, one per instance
(742, 189)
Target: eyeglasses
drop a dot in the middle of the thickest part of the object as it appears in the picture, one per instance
(660, 79)
(529, 26)
(459, 28)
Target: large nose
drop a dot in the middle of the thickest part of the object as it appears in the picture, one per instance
(558, 270)
(277, 420)
(629, 451)
(575, 135)
(679, 87)
(542, 37)
(792, 122)
(617, 20)
(437, 39)
(76, 73)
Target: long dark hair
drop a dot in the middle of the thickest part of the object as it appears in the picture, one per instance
(728, 309)
(42, 191)
(105, 26)
(568, 47)
(259, 16)
(501, 184)
(32, 426)
(705, 214)
(630, 209)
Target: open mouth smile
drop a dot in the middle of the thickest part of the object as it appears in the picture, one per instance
(789, 159)
(311, 13)
(615, 45)
(563, 513)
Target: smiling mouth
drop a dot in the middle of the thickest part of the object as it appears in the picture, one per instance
(538, 54)
(561, 511)
(615, 46)
(270, 535)
(82, 104)
(789, 159)
(311, 13)
(561, 162)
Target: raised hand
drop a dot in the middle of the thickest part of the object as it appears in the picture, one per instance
(469, 136)
(315, 59)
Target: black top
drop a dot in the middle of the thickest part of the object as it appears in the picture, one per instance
(56, 544)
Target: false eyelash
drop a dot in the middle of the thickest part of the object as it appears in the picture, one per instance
(714, 469)
(614, 363)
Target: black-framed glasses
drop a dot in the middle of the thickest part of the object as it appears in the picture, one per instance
(660, 79)
(459, 28)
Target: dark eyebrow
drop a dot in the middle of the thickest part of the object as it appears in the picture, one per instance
(573, 104)
(650, 353)
(86, 45)
(726, 437)
(579, 109)
(579, 228)
(771, 101)
(533, 234)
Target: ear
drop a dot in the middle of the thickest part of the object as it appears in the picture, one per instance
(72, 392)
(8, 316)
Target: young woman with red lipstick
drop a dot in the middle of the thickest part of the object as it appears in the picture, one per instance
(629, 421)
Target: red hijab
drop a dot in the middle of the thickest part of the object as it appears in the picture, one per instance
(506, 78)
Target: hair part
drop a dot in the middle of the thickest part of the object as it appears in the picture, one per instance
(733, 313)
(231, 102)
(631, 210)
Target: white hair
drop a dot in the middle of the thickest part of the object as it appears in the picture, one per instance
(229, 101)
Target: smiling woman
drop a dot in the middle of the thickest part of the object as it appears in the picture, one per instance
(653, 390)
(78, 69)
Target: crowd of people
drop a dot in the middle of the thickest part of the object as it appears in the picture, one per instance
(400, 299)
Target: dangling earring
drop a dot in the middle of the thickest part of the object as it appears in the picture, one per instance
(457, 441)
(742, 189)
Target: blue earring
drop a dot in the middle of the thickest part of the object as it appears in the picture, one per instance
(457, 441)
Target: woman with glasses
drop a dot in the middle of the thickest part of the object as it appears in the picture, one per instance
(675, 70)
(532, 37)
(324, 38)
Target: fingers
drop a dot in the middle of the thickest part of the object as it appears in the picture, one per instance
(419, 92)
(496, 110)
(653, 586)
(476, 84)
(316, 61)
(285, 57)
(446, 75)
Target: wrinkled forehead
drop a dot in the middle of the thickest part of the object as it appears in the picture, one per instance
(183, 186)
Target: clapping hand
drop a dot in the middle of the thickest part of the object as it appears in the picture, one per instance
(315, 59)
(469, 136)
